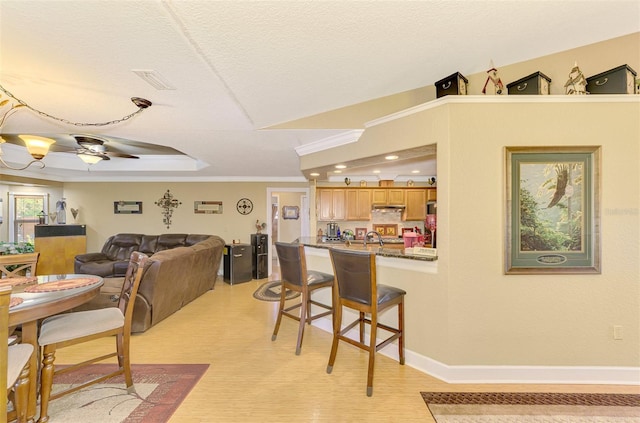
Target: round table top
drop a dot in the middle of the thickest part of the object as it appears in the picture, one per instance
(38, 305)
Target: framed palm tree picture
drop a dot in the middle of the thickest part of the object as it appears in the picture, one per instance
(553, 210)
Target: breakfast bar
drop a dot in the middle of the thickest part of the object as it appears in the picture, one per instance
(390, 249)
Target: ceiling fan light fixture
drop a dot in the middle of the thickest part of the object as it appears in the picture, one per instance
(37, 146)
(89, 158)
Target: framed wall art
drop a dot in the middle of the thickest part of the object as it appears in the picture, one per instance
(361, 233)
(207, 207)
(290, 212)
(552, 210)
(127, 207)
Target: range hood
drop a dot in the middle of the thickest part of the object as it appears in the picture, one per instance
(388, 207)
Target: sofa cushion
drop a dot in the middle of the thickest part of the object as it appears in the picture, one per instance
(169, 241)
(121, 246)
(193, 239)
(99, 267)
(148, 244)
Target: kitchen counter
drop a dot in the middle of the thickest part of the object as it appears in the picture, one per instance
(393, 251)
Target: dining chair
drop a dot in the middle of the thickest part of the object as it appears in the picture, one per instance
(296, 277)
(16, 371)
(13, 265)
(78, 327)
(356, 288)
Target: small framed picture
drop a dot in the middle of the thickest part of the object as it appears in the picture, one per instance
(207, 207)
(361, 233)
(290, 212)
(127, 207)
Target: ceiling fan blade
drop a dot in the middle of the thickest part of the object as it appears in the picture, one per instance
(87, 141)
(122, 155)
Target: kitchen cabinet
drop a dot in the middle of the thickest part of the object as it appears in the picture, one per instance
(416, 202)
(358, 204)
(387, 196)
(431, 194)
(330, 204)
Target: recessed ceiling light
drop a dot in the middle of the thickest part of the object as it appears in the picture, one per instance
(341, 166)
(337, 171)
(391, 157)
(314, 174)
(376, 171)
(415, 171)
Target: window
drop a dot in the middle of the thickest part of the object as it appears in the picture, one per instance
(23, 215)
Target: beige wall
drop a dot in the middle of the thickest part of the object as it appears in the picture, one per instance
(538, 319)
(95, 202)
(468, 312)
(289, 229)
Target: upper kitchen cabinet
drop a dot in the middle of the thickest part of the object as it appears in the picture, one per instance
(331, 204)
(416, 201)
(432, 194)
(358, 204)
(387, 196)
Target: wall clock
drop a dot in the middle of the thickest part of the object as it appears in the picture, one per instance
(244, 206)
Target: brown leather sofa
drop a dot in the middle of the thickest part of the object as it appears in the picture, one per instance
(182, 267)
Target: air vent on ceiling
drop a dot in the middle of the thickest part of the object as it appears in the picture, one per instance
(154, 79)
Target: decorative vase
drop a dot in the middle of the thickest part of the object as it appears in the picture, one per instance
(61, 211)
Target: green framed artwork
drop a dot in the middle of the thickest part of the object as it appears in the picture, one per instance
(552, 210)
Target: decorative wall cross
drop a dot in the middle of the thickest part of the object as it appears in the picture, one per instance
(167, 203)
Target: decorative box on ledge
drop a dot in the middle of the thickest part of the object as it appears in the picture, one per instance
(535, 84)
(455, 84)
(620, 80)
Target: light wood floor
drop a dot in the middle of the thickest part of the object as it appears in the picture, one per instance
(252, 379)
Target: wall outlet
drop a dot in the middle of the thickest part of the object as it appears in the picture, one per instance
(617, 332)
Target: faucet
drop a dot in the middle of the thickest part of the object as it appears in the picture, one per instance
(373, 233)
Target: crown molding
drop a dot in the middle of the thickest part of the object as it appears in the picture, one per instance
(330, 142)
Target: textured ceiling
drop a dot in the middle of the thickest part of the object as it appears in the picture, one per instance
(240, 67)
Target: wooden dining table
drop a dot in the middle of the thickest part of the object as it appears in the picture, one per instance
(50, 295)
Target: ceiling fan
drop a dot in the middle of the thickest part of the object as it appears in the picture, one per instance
(91, 150)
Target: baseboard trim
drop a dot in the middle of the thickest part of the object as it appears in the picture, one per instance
(578, 375)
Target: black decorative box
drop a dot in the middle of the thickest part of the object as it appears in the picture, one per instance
(455, 84)
(620, 80)
(534, 84)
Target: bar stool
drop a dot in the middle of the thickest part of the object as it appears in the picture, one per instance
(357, 289)
(296, 277)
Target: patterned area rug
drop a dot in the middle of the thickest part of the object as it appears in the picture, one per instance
(270, 291)
(160, 389)
(511, 407)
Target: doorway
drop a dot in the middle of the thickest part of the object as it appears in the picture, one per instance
(286, 230)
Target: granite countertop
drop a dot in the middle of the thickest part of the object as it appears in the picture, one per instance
(403, 253)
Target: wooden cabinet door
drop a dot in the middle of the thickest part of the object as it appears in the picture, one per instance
(416, 205)
(395, 196)
(339, 204)
(431, 194)
(330, 204)
(358, 204)
(379, 196)
(364, 204)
